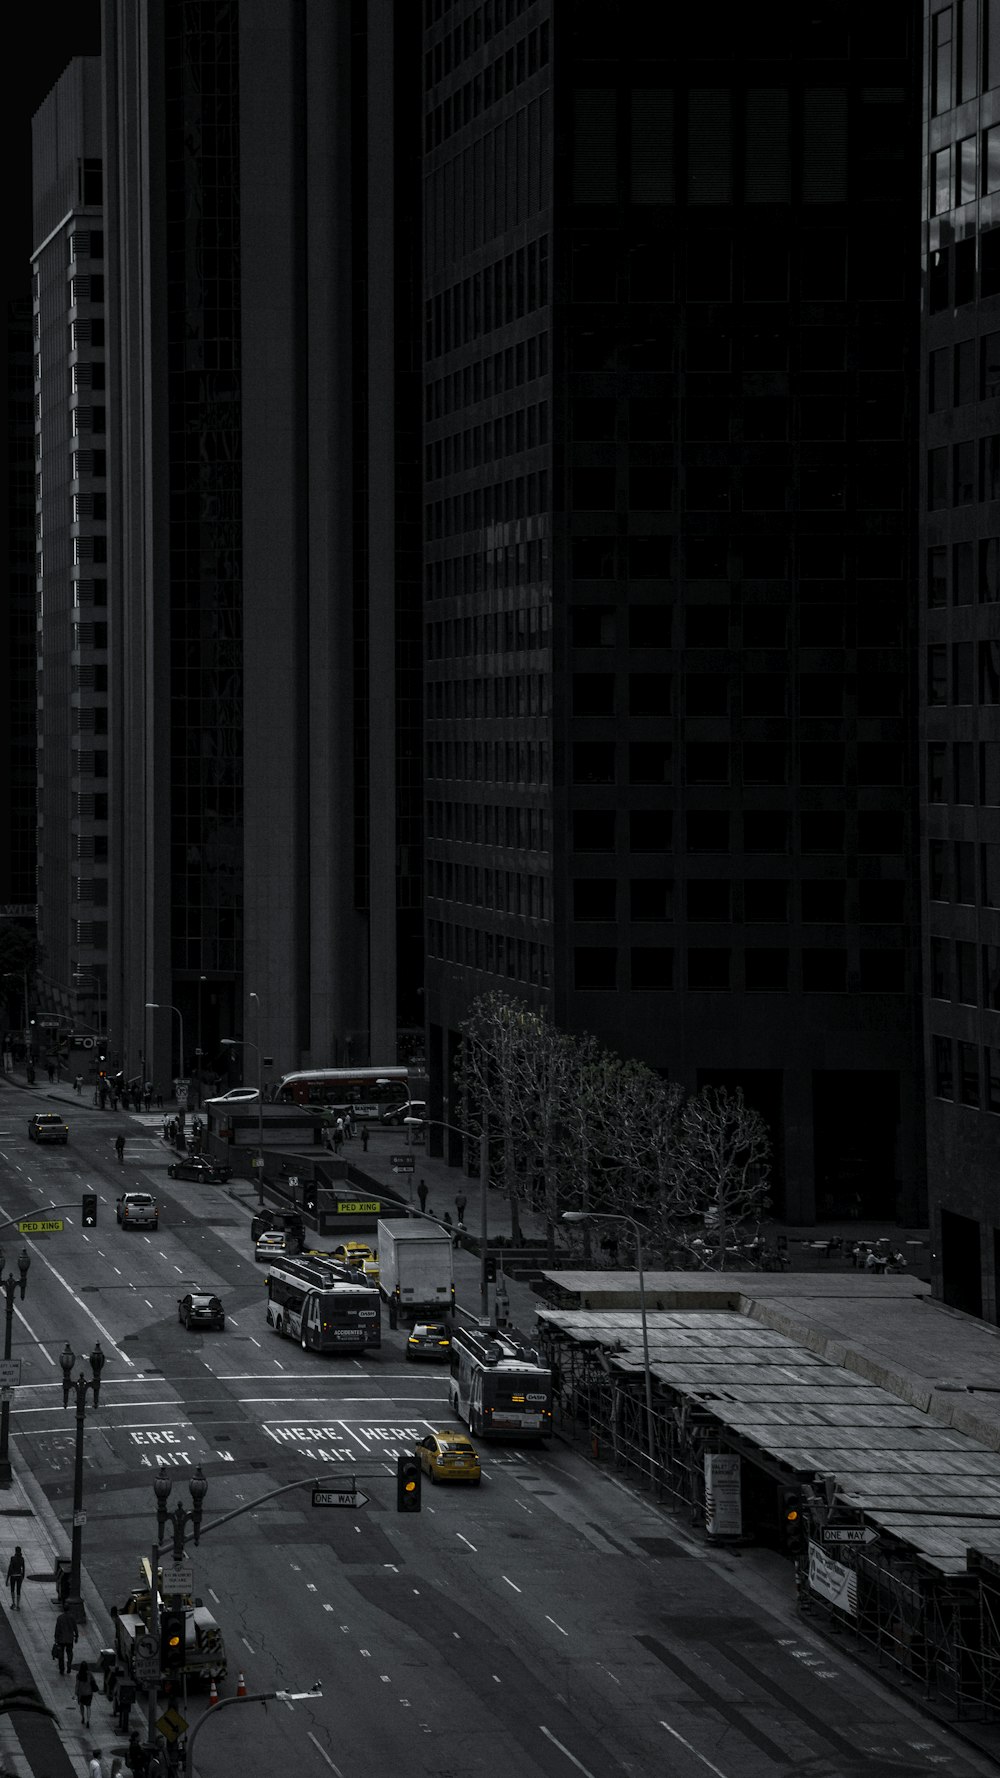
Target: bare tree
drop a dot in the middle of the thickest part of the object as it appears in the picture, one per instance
(723, 1163)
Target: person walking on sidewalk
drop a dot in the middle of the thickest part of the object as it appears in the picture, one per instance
(15, 1576)
(85, 1689)
(64, 1637)
(422, 1194)
(364, 1138)
(95, 1765)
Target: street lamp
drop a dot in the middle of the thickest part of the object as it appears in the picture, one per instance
(67, 1359)
(484, 1163)
(89, 975)
(182, 1516)
(239, 1043)
(600, 1216)
(9, 1285)
(154, 1006)
(409, 1101)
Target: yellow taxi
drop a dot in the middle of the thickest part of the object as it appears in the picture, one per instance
(447, 1455)
(360, 1257)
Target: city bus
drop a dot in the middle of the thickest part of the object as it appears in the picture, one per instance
(499, 1385)
(366, 1091)
(321, 1307)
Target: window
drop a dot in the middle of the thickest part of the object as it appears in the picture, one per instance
(594, 898)
(595, 966)
(766, 970)
(593, 762)
(991, 977)
(707, 626)
(944, 1078)
(651, 966)
(709, 968)
(765, 901)
(764, 626)
(651, 899)
(821, 762)
(707, 830)
(965, 871)
(963, 573)
(937, 870)
(964, 473)
(822, 831)
(593, 830)
(765, 831)
(962, 673)
(648, 626)
(707, 762)
(965, 972)
(709, 899)
(941, 164)
(989, 672)
(765, 762)
(650, 762)
(965, 171)
(880, 902)
(824, 971)
(882, 971)
(937, 478)
(938, 381)
(989, 372)
(592, 626)
(707, 694)
(990, 875)
(823, 902)
(991, 159)
(991, 1070)
(650, 830)
(649, 694)
(880, 831)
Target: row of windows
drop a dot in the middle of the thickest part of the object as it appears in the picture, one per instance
(85, 287)
(492, 374)
(496, 296)
(759, 694)
(960, 489)
(714, 969)
(518, 959)
(752, 419)
(764, 265)
(515, 694)
(456, 46)
(951, 380)
(975, 573)
(952, 676)
(822, 557)
(495, 504)
(88, 419)
(761, 831)
(88, 463)
(963, 171)
(509, 892)
(489, 824)
(751, 763)
(85, 244)
(958, 62)
(756, 901)
(829, 487)
(967, 972)
(501, 77)
(489, 762)
(960, 871)
(952, 772)
(492, 632)
(959, 1063)
(503, 436)
(726, 627)
(951, 271)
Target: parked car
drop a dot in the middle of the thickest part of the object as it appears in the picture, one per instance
(200, 1309)
(48, 1126)
(429, 1339)
(234, 1096)
(271, 1242)
(137, 1210)
(397, 1114)
(449, 1456)
(202, 1171)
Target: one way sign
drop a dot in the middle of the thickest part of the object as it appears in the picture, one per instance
(849, 1534)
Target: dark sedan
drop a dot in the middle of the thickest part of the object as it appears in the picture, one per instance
(200, 1309)
(201, 1171)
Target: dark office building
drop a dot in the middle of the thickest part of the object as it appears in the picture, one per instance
(960, 646)
(262, 216)
(672, 316)
(18, 820)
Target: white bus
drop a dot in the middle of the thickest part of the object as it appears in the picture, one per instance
(499, 1385)
(321, 1307)
(368, 1092)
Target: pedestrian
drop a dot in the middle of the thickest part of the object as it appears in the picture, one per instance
(460, 1203)
(338, 1136)
(422, 1194)
(15, 1576)
(64, 1636)
(95, 1768)
(85, 1689)
(364, 1138)
(50, 1071)
(78, 1085)
(120, 1148)
(349, 1125)
(124, 1700)
(117, 1767)
(159, 1100)
(147, 1093)
(31, 1074)
(135, 1756)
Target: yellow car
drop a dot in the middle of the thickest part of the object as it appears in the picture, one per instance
(449, 1456)
(353, 1253)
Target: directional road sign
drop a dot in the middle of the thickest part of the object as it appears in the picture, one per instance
(402, 1163)
(49, 1227)
(171, 1724)
(146, 1662)
(339, 1497)
(849, 1534)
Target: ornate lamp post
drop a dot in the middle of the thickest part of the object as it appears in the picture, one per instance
(9, 1285)
(182, 1516)
(67, 1359)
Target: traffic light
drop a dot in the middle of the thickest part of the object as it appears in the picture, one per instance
(791, 1520)
(90, 1210)
(407, 1483)
(491, 1268)
(173, 1632)
(309, 1197)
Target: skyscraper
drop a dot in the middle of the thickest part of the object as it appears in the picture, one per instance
(960, 645)
(671, 305)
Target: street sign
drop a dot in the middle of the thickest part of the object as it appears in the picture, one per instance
(52, 1227)
(339, 1497)
(849, 1534)
(257, 1160)
(359, 1207)
(10, 1372)
(79, 1518)
(146, 1661)
(293, 1182)
(171, 1724)
(178, 1577)
(403, 1163)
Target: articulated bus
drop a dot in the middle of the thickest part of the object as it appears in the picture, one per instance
(318, 1305)
(499, 1386)
(367, 1091)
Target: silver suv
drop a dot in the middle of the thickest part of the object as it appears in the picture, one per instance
(137, 1210)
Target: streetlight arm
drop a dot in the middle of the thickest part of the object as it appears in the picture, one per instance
(226, 1703)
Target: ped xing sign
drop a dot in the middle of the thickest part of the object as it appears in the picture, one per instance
(339, 1497)
(359, 1207)
(51, 1226)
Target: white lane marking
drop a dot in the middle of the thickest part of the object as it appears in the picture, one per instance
(147, 1302)
(462, 1535)
(510, 1583)
(214, 1594)
(247, 1644)
(551, 1620)
(233, 1321)
(279, 1364)
(256, 1343)
(102, 1330)
(349, 1434)
(176, 1269)
(310, 1586)
(38, 1344)
(325, 1756)
(328, 1608)
(549, 1736)
(694, 1750)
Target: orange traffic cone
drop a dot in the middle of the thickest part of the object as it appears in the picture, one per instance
(213, 1696)
(241, 1689)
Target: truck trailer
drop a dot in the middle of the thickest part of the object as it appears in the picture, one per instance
(416, 1271)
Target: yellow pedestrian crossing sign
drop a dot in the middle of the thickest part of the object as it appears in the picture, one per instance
(51, 1226)
(171, 1724)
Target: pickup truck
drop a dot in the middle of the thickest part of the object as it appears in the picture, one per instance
(137, 1210)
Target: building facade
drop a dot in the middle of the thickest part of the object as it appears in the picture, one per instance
(960, 645)
(671, 312)
(72, 629)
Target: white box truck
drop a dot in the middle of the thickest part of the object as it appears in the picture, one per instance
(416, 1272)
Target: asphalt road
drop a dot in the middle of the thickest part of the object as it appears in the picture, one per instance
(549, 1623)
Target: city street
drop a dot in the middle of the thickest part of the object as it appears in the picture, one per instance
(549, 1623)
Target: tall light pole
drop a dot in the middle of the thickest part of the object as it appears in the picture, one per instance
(600, 1216)
(154, 1006)
(10, 1284)
(89, 975)
(484, 1164)
(239, 1043)
(67, 1359)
